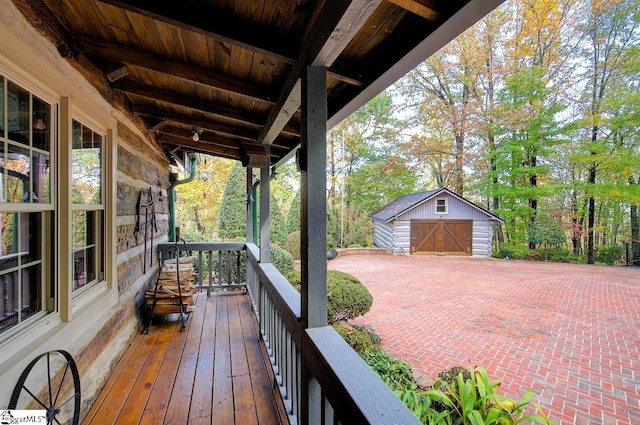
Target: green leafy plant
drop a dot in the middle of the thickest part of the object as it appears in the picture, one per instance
(375, 338)
(474, 400)
(358, 340)
(395, 373)
(609, 254)
(347, 297)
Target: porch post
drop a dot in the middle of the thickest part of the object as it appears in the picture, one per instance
(265, 214)
(250, 201)
(313, 231)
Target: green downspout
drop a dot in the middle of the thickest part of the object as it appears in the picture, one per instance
(171, 194)
(254, 208)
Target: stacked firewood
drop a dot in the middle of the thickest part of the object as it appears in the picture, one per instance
(167, 294)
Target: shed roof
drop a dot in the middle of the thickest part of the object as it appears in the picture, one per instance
(406, 203)
(232, 68)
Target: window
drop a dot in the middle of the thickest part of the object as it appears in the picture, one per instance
(87, 205)
(441, 206)
(26, 210)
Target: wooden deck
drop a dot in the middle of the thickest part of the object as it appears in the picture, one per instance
(213, 373)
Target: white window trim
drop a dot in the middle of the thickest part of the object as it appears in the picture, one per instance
(446, 206)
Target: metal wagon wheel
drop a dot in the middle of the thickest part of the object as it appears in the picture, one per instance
(59, 395)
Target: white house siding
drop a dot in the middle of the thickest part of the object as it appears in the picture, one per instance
(382, 234)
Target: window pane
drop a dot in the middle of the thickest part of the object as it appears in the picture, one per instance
(31, 291)
(21, 239)
(20, 270)
(79, 269)
(18, 168)
(88, 228)
(76, 135)
(91, 264)
(9, 238)
(41, 177)
(87, 168)
(79, 226)
(10, 302)
(17, 114)
(31, 236)
(41, 126)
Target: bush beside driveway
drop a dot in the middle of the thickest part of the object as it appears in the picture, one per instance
(569, 332)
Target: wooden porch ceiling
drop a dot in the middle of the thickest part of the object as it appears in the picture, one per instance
(232, 67)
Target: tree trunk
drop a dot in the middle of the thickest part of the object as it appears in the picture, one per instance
(575, 224)
(459, 173)
(533, 202)
(591, 215)
(635, 232)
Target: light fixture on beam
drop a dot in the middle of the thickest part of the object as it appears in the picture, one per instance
(196, 133)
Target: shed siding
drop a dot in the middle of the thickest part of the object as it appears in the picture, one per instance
(382, 234)
(482, 238)
(402, 236)
(456, 210)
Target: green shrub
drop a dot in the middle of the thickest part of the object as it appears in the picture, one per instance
(347, 297)
(292, 245)
(609, 254)
(556, 254)
(513, 252)
(282, 260)
(395, 373)
(375, 338)
(358, 340)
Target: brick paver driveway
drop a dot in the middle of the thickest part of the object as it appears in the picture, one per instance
(569, 332)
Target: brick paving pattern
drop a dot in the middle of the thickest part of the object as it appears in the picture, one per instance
(571, 333)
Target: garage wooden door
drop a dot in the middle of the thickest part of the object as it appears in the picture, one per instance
(441, 237)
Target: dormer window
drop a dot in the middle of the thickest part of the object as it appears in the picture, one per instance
(441, 206)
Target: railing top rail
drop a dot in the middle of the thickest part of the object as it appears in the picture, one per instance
(203, 246)
(354, 390)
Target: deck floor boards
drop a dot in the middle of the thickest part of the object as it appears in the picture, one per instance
(213, 373)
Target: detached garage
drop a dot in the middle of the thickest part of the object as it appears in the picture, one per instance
(434, 222)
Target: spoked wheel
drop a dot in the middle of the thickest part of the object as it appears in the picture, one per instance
(50, 382)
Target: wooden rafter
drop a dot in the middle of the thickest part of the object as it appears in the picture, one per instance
(235, 131)
(423, 8)
(219, 26)
(106, 49)
(191, 102)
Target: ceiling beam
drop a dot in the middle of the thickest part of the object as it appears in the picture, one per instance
(220, 26)
(331, 29)
(422, 8)
(234, 131)
(191, 102)
(200, 146)
(217, 139)
(106, 49)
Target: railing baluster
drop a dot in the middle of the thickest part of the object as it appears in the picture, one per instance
(210, 271)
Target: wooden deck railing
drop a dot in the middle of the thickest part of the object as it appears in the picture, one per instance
(342, 387)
